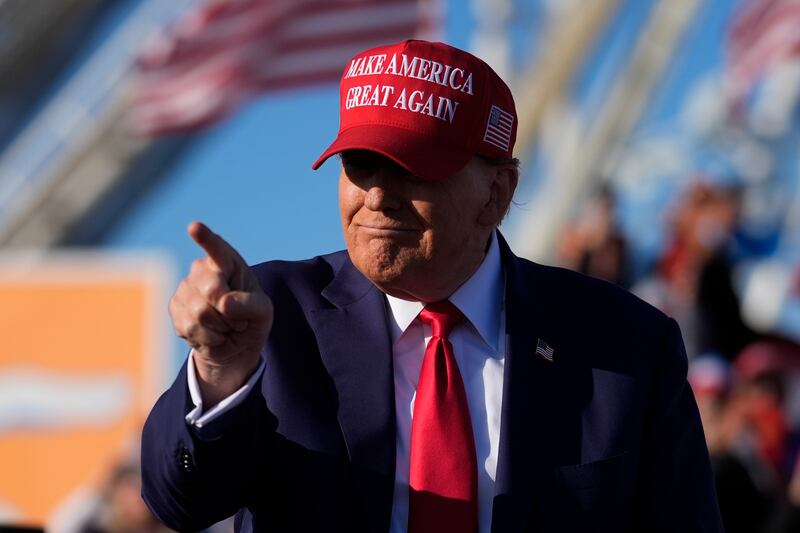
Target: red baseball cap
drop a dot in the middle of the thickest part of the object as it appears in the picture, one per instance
(427, 106)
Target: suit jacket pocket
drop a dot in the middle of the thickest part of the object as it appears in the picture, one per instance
(593, 474)
(595, 496)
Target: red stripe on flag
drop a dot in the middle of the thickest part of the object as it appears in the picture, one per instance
(227, 51)
(763, 34)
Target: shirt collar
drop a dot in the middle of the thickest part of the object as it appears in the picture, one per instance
(480, 298)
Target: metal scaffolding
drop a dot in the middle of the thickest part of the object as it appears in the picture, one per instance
(76, 152)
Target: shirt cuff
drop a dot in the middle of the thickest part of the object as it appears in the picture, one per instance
(196, 416)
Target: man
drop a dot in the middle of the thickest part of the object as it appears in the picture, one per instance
(426, 379)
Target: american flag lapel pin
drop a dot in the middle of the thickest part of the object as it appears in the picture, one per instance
(544, 350)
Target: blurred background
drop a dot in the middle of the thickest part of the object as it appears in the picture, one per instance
(659, 142)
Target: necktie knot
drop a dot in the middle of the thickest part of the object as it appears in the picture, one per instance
(443, 316)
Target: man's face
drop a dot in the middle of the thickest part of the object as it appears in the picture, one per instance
(413, 238)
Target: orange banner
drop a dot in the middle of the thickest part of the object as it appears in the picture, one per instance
(82, 358)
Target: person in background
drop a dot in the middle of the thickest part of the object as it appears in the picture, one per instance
(118, 507)
(692, 281)
(745, 505)
(593, 243)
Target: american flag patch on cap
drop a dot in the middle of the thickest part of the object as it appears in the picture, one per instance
(544, 350)
(499, 128)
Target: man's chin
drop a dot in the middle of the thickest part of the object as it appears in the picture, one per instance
(380, 274)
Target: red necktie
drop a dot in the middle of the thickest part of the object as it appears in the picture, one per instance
(443, 479)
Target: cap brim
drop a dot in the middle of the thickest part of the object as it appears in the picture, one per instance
(421, 155)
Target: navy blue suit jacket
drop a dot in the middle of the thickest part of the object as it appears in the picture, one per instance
(607, 437)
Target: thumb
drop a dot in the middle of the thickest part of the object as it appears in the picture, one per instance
(246, 306)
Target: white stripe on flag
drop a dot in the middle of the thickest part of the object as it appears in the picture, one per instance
(250, 46)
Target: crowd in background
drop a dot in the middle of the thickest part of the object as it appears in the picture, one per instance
(747, 383)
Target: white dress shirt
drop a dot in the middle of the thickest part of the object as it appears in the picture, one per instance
(479, 349)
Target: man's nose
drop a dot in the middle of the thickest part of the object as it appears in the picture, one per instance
(382, 193)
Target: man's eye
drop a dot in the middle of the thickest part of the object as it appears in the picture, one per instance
(362, 164)
(357, 167)
(359, 162)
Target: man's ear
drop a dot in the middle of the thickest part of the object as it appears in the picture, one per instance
(502, 184)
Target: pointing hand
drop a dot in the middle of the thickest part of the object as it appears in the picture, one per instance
(223, 314)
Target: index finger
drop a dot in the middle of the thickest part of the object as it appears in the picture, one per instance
(218, 250)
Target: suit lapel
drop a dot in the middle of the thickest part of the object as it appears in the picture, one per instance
(355, 348)
(536, 427)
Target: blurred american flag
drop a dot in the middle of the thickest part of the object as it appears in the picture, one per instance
(763, 34)
(225, 52)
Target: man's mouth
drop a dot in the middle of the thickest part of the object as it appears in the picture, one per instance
(386, 229)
